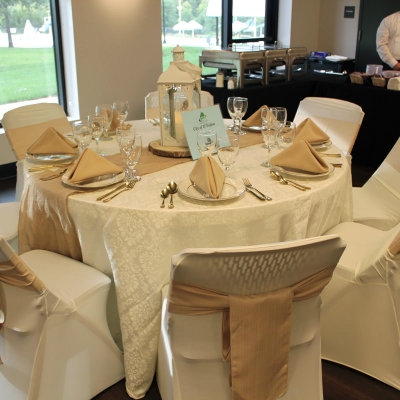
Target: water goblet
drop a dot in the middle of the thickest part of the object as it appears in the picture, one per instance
(240, 105)
(121, 107)
(106, 111)
(268, 131)
(280, 114)
(82, 134)
(96, 127)
(227, 150)
(286, 135)
(206, 142)
(232, 113)
(130, 144)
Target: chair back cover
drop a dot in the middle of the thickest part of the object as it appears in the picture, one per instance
(254, 273)
(24, 125)
(339, 119)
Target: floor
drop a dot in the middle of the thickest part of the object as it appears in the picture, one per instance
(339, 382)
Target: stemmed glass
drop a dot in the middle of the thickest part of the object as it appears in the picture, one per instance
(96, 127)
(240, 105)
(227, 150)
(82, 134)
(206, 142)
(121, 107)
(232, 113)
(130, 145)
(106, 111)
(268, 130)
(286, 135)
(280, 114)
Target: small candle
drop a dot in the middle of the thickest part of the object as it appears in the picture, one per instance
(220, 80)
(180, 134)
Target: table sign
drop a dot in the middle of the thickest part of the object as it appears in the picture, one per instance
(200, 120)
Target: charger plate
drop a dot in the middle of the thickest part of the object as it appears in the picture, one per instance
(94, 183)
(231, 190)
(301, 174)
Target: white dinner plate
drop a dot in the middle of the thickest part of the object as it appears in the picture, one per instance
(50, 158)
(298, 174)
(231, 190)
(321, 145)
(98, 182)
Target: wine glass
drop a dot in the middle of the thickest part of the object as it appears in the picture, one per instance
(240, 105)
(227, 150)
(82, 134)
(286, 135)
(280, 114)
(121, 107)
(232, 113)
(268, 131)
(206, 142)
(106, 111)
(96, 127)
(130, 145)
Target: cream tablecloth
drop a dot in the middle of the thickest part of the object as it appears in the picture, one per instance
(133, 239)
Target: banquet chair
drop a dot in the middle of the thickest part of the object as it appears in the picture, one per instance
(339, 119)
(23, 125)
(151, 103)
(54, 338)
(377, 203)
(361, 305)
(190, 354)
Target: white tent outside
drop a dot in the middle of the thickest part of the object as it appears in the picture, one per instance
(193, 25)
(29, 30)
(181, 26)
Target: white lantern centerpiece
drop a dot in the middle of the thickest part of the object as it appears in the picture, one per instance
(179, 90)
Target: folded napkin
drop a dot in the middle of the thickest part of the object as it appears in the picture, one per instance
(208, 176)
(91, 165)
(301, 156)
(255, 119)
(52, 142)
(308, 130)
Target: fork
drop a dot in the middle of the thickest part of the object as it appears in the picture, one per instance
(248, 184)
(130, 186)
(48, 178)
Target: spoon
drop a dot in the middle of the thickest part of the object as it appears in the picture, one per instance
(275, 175)
(164, 195)
(172, 188)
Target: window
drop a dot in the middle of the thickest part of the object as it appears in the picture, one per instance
(214, 24)
(30, 54)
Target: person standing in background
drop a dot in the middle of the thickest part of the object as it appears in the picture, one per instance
(388, 41)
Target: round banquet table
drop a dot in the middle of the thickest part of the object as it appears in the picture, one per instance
(132, 239)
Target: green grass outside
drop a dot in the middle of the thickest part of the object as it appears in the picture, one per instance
(28, 74)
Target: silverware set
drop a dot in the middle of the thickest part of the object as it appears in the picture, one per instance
(115, 193)
(170, 189)
(283, 181)
(56, 175)
(254, 191)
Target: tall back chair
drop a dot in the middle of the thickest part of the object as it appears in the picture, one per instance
(23, 125)
(360, 317)
(339, 119)
(54, 338)
(377, 203)
(152, 110)
(269, 347)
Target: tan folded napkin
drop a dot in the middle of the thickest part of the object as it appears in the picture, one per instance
(301, 156)
(52, 142)
(255, 119)
(91, 165)
(308, 130)
(208, 176)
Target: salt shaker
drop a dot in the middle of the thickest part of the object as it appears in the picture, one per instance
(220, 79)
(231, 83)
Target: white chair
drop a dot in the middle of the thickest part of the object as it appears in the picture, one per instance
(190, 364)
(54, 338)
(151, 103)
(361, 305)
(377, 203)
(23, 125)
(339, 119)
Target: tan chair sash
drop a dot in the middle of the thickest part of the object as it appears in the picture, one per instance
(21, 138)
(16, 273)
(255, 331)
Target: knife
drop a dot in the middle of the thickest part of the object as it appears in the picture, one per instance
(256, 194)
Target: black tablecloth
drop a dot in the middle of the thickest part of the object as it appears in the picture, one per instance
(381, 125)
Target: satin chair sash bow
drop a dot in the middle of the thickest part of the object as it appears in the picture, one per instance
(255, 331)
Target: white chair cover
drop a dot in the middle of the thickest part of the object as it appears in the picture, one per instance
(152, 111)
(54, 338)
(377, 203)
(361, 305)
(339, 119)
(190, 364)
